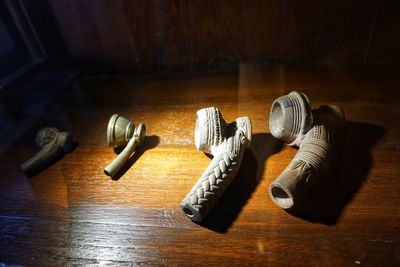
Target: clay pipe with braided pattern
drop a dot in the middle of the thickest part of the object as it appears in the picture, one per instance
(226, 142)
(314, 132)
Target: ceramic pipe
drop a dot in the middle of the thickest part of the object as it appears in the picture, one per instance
(226, 142)
(53, 143)
(292, 121)
(122, 132)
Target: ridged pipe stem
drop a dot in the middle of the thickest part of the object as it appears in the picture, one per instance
(227, 142)
(315, 147)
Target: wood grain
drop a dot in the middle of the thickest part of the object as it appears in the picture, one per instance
(73, 214)
(154, 36)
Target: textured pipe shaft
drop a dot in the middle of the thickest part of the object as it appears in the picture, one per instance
(302, 172)
(313, 157)
(227, 143)
(53, 144)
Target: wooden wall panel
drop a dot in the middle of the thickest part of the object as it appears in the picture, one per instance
(157, 35)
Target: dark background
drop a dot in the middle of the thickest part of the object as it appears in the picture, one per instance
(156, 35)
(14, 54)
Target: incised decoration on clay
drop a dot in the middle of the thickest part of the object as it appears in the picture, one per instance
(227, 143)
(314, 132)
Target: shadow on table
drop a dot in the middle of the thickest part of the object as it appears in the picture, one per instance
(326, 201)
(149, 142)
(243, 185)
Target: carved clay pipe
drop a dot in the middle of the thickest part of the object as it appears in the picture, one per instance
(292, 121)
(226, 142)
(122, 132)
(53, 143)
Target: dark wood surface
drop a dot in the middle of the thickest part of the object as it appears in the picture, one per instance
(153, 35)
(72, 213)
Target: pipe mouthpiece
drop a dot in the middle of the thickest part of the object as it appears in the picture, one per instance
(281, 196)
(192, 213)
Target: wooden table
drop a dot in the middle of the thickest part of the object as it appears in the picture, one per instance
(72, 213)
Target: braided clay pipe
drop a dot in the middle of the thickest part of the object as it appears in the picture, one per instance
(53, 144)
(123, 133)
(313, 131)
(226, 142)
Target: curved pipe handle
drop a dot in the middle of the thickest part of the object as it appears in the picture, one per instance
(113, 168)
(292, 121)
(220, 172)
(53, 143)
